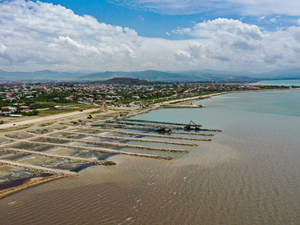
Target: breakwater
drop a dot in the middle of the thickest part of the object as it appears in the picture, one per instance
(120, 145)
(129, 138)
(145, 134)
(158, 122)
(149, 129)
(38, 168)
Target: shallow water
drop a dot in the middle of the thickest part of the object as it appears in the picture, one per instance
(279, 82)
(248, 174)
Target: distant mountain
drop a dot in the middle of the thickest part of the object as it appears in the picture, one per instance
(124, 80)
(282, 74)
(44, 75)
(152, 75)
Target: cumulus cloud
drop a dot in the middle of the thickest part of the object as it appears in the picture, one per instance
(47, 34)
(239, 44)
(241, 7)
(36, 36)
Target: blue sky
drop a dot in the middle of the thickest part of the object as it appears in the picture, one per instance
(135, 35)
(149, 22)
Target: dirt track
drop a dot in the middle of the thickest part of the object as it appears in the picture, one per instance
(43, 119)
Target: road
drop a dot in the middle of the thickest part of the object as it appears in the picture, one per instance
(42, 119)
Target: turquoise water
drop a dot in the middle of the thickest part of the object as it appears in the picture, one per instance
(279, 82)
(248, 174)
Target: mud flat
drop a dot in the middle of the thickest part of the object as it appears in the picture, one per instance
(31, 183)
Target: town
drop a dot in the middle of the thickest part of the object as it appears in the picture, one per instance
(29, 99)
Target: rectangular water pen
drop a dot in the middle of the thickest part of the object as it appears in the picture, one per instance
(130, 138)
(121, 145)
(145, 134)
(59, 157)
(38, 168)
(99, 149)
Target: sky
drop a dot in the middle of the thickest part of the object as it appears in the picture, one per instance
(136, 35)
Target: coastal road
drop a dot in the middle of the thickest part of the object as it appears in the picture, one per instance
(46, 118)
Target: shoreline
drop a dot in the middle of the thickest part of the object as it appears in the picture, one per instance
(31, 183)
(34, 181)
(14, 186)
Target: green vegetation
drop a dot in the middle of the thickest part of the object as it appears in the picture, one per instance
(22, 127)
(46, 124)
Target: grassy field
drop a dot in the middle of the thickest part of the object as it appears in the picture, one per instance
(17, 128)
(50, 112)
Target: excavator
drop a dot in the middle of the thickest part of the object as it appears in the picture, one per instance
(188, 126)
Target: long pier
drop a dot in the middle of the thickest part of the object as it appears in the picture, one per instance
(167, 123)
(130, 138)
(55, 156)
(150, 130)
(144, 125)
(99, 149)
(157, 122)
(144, 134)
(121, 145)
(40, 169)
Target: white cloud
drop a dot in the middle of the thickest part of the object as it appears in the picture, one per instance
(36, 36)
(235, 44)
(261, 18)
(242, 7)
(44, 34)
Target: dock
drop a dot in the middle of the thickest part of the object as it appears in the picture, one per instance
(148, 129)
(158, 122)
(145, 134)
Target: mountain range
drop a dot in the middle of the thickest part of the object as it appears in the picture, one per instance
(151, 75)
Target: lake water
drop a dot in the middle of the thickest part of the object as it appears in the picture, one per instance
(279, 82)
(248, 174)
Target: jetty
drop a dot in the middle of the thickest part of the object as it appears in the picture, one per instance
(144, 134)
(158, 122)
(146, 125)
(40, 169)
(59, 157)
(149, 129)
(129, 138)
(100, 149)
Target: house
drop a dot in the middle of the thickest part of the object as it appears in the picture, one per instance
(99, 102)
(89, 100)
(24, 107)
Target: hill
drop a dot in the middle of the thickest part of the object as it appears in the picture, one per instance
(152, 75)
(124, 80)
